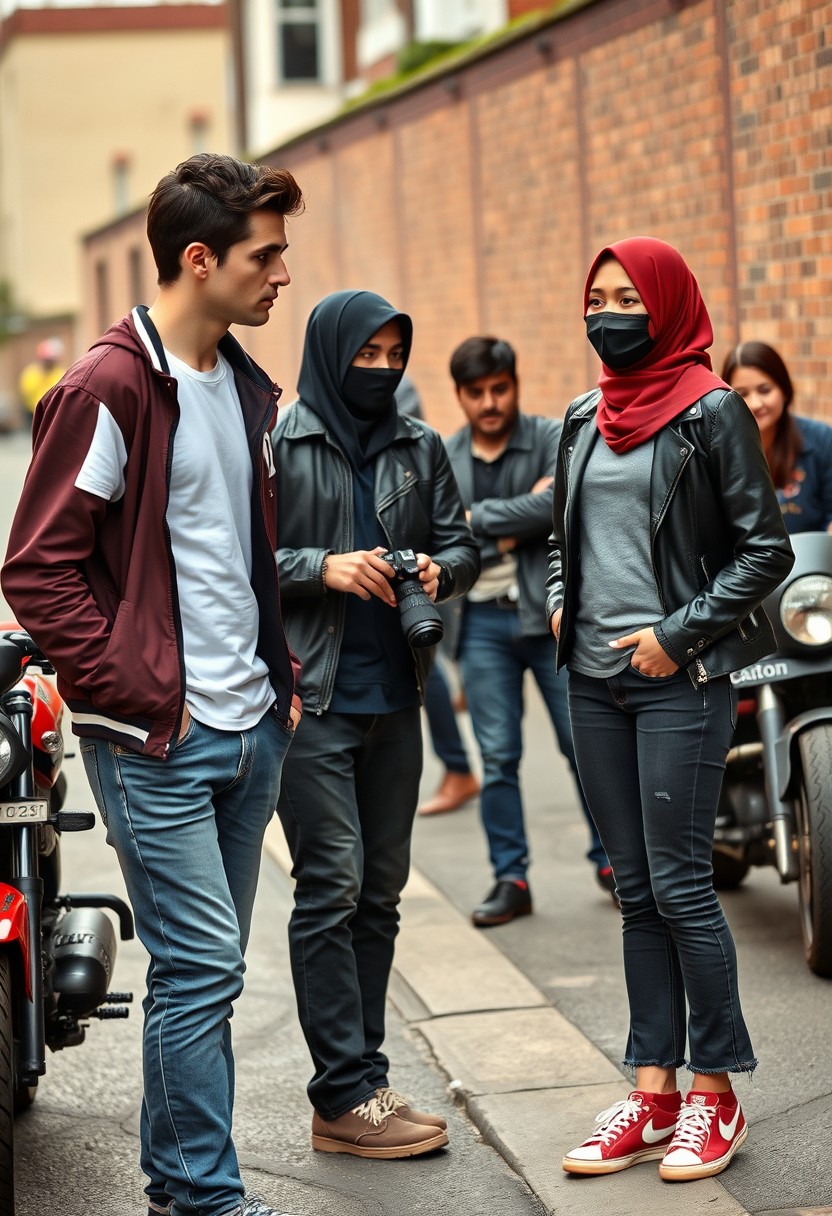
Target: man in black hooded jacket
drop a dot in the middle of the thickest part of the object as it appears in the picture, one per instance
(357, 480)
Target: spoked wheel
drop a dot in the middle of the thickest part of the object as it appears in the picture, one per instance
(6, 1088)
(815, 847)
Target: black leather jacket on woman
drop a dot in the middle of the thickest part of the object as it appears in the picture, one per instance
(417, 505)
(717, 536)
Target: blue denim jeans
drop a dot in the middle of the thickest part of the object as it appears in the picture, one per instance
(347, 804)
(651, 754)
(494, 657)
(444, 729)
(188, 832)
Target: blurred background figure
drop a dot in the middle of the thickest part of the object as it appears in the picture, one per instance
(41, 374)
(458, 784)
(798, 449)
(408, 401)
(503, 461)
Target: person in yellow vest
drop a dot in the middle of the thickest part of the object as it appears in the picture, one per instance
(42, 373)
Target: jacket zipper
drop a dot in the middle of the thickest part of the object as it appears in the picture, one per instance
(701, 673)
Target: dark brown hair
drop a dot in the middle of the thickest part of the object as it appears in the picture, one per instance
(209, 198)
(787, 444)
(476, 357)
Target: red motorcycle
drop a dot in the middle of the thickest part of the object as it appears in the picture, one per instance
(56, 950)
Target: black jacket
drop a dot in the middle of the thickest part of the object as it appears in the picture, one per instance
(716, 532)
(531, 453)
(418, 507)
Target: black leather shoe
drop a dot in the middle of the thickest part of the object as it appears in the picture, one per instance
(606, 881)
(509, 898)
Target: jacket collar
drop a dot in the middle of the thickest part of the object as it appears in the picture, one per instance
(587, 408)
(228, 346)
(302, 421)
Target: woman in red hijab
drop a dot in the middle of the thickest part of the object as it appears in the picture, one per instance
(667, 537)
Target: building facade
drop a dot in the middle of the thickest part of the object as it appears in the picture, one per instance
(96, 103)
(475, 198)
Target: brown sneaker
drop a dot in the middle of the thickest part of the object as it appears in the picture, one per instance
(371, 1130)
(398, 1104)
(454, 791)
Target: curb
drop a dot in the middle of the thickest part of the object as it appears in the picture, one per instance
(528, 1079)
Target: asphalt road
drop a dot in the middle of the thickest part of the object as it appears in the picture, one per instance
(571, 950)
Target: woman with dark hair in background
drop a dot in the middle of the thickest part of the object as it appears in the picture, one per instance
(798, 450)
(667, 537)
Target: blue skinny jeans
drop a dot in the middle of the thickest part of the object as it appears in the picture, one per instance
(494, 657)
(188, 832)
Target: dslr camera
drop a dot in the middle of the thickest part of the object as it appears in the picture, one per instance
(421, 623)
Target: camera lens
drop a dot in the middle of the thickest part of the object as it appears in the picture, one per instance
(421, 623)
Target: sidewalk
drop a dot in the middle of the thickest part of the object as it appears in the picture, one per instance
(528, 1080)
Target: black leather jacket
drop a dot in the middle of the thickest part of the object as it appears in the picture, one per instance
(418, 507)
(716, 533)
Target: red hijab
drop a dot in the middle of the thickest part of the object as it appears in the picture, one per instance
(639, 401)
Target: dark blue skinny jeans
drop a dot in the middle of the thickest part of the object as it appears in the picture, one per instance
(494, 657)
(651, 754)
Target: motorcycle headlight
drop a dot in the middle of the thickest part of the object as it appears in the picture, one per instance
(806, 610)
(6, 757)
(13, 757)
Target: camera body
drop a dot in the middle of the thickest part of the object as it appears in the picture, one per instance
(421, 623)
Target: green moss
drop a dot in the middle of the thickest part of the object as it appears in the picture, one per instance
(431, 59)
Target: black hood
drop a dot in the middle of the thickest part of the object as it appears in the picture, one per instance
(337, 329)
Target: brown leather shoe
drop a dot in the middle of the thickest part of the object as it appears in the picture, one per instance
(455, 790)
(398, 1105)
(371, 1130)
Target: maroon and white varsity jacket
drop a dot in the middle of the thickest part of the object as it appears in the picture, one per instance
(93, 580)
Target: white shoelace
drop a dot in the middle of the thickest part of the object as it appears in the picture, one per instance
(391, 1100)
(615, 1119)
(374, 1110)
(692, 1127)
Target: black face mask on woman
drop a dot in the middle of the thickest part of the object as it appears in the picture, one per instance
(620, 339)
(369, 391)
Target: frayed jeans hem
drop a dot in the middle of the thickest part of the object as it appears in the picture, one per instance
(746, 1066)
(633, 1064)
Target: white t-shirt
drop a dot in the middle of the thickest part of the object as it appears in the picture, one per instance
(209, 518)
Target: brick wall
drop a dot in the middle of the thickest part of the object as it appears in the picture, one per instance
(476, 200)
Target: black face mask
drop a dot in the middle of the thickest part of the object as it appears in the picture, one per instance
(620, 339)
(369, 391)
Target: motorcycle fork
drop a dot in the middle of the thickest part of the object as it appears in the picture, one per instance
(25, 876)
(771, 720)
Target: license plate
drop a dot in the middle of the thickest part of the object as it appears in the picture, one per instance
(25, 810)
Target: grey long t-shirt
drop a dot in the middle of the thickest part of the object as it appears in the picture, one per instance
(617, 592)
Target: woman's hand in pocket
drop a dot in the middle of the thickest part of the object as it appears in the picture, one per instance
(648, 657)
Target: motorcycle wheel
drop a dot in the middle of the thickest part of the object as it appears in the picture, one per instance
(729, 871)
(6, 1088)
(815, 847)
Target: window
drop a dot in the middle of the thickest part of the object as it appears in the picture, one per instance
(136, 277)
(102, 295)
(298, 39)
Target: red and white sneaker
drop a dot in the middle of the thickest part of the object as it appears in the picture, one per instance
(710, 1129)
(637, 1129)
